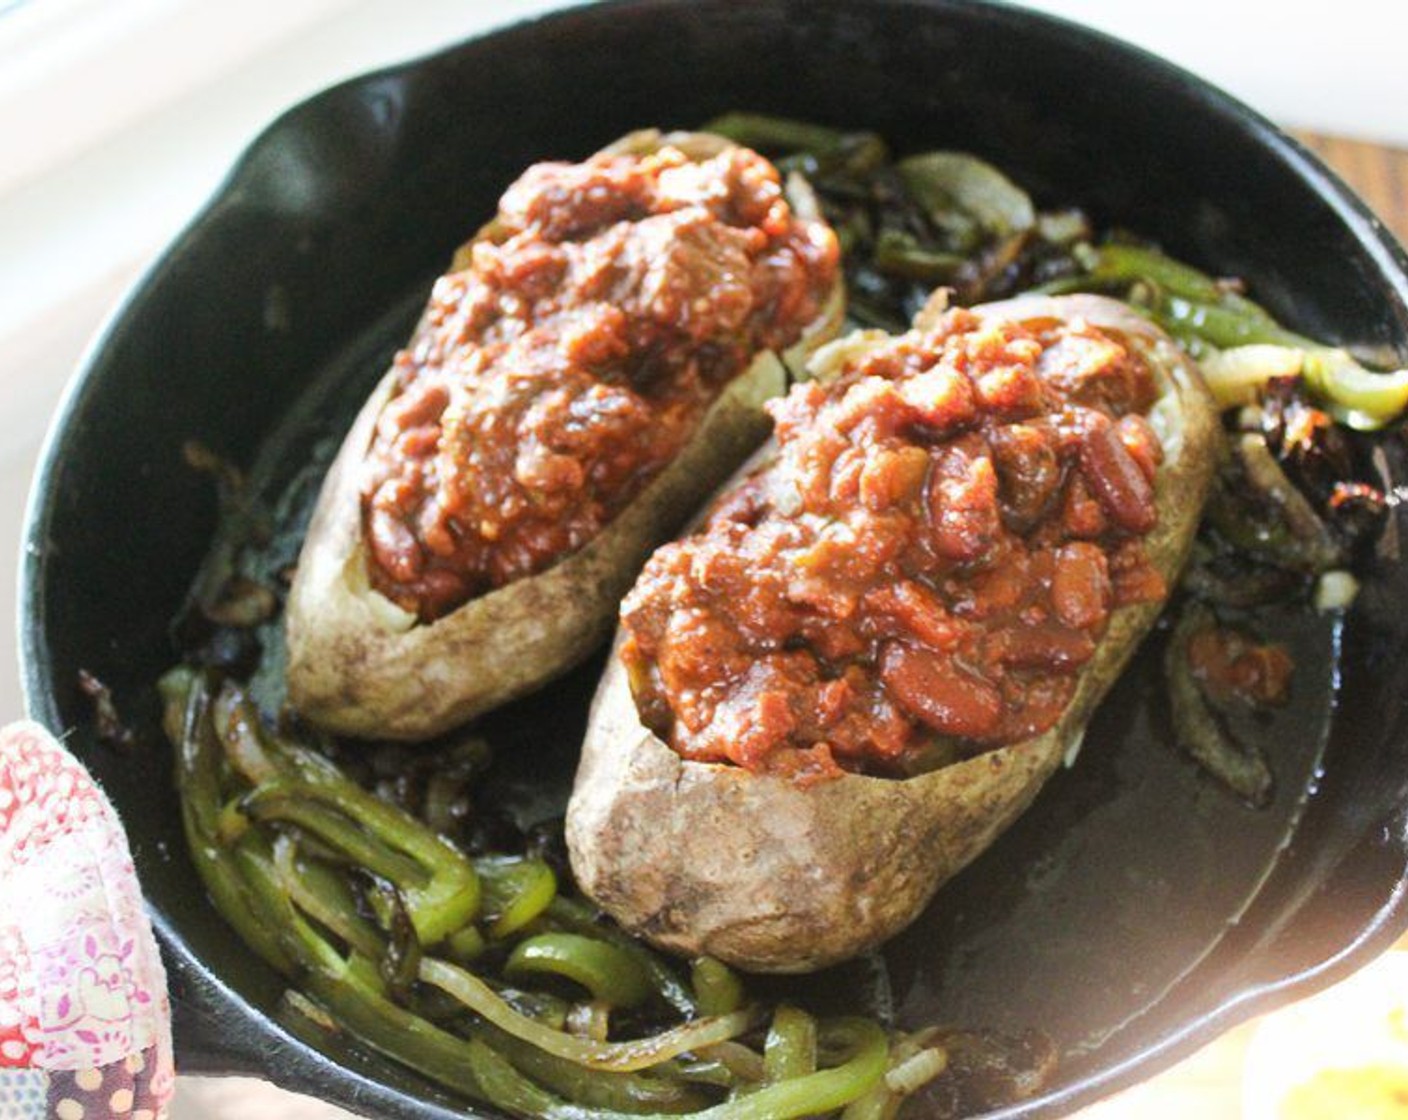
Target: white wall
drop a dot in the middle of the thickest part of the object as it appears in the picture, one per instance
(1336, 66)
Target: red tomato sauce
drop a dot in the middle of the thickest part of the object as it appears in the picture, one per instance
(1234, 668)
(557, 374)
(926, 565)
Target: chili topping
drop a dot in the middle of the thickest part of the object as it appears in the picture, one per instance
(558, 373)
(925, 566)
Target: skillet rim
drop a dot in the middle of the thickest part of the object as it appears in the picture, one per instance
(228, 1033)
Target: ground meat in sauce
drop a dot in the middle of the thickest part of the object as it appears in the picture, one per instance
(933, 556)
(557, 374)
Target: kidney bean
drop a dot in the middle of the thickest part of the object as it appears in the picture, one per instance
(418, 443)
(393, 546)
(1080, 586)
(963, 511)
(1047, 645)
(1116, 480)
(1140, 440)
(938, 693)
(833, 698)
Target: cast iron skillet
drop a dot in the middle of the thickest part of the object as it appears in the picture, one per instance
(1136, 911)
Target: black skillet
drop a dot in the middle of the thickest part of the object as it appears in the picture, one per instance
(1137, 910)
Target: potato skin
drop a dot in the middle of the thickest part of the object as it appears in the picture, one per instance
(703, 858)
(360, 665)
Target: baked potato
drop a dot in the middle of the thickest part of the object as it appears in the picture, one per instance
(775, 875)
(362, 664)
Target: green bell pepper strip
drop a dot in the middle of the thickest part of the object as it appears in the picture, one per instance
(351, 994)
(842, 158)
(743, 1063)
(1359, 397)
(324, 896)
(198, 784)
(352, 998)
(1219, 325)
(699, 1071)
(400, 963)
(878, 1103)
(604, 970)
(314, 889)
(768, 133)
(790, 1048)
(244, 746)
(398, 1033)
(442, 890)
(465, 945)
(296, 803)
(1118, 265)
(577, 917)
(899, 254)
(480, 998)
(814, 1094)
(966, 196)
(717, 989)
(516, 891)
(1201, 313)
(302, 787)
(648, 1092)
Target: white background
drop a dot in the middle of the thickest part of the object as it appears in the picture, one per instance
(117, 118)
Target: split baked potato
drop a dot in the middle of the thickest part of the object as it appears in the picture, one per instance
(362, 665)
(770, 874)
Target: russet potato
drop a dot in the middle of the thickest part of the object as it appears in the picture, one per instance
(776, 876)
(361, 665)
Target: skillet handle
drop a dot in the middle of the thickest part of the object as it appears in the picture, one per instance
(207, 1037)
(202, 1048)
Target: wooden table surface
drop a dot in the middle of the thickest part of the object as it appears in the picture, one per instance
(1209, 1085)
(1379, 174)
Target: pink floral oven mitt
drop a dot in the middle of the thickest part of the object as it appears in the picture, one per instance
(85, 1026)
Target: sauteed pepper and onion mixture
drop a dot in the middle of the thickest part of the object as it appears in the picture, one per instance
(411, 916)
